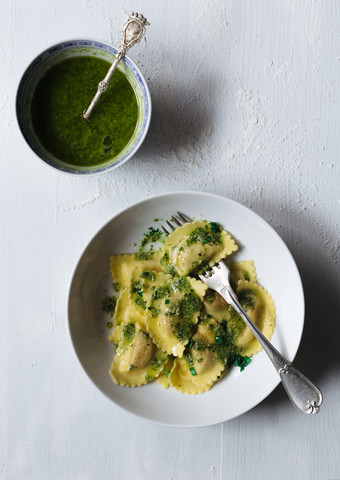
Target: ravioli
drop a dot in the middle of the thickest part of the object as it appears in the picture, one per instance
(200, 359)
(163, 379)
(195, 246)
(181, 379)
(259, 306)
(257, 303)
(137, 360)
(122, 268)
(169, 326)
(122, 265)
(173, 311)
(244, 270)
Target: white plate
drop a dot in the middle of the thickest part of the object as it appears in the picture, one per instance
(239, 391)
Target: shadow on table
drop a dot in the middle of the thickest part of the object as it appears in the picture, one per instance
(180, 120)
(317, 357)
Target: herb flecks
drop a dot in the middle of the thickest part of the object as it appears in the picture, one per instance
(209, 234)
(109, 304)
(141, 255)
(153, 235)
(246, 298)
(128, 332)
(239, 361)
(148, 275)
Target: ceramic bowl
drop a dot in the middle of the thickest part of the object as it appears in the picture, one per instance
(238, 391)
(57, 53)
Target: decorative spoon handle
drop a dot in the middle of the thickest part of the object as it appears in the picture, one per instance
(132, 32)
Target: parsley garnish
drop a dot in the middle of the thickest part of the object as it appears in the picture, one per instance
(109, 304)
(238, 361)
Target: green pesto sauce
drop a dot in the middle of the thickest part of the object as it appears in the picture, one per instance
(137, 290)
(156, 364)
(140, 256)
(161, 292)
(148, 275)
(246, 298)
(59, 100)
(128, 333)
(151, 236)
(109, 304)
(210, 233)
(182, 312)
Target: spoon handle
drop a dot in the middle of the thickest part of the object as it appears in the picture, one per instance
(303, 394)
(132, 32)
(103, 85)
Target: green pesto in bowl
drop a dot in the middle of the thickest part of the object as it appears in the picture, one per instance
(60, 97)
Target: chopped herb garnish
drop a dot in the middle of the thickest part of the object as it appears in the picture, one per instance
(109, 304)
(153, 311)
(246, 276)
(128, 332)
(188, 359)
(166, 301)
(181, 284)
(131, 367)
(246, 298)
(210, 296)
(193, 371)
(171, 270)
(165, 258)
(238, 361)
(143, 255)
(140, 302)
(166, 372)
(157, 362)
(198, 345)
(161, 292)
(109, 324)
(210, 233)
(148, 275)
(152, 235)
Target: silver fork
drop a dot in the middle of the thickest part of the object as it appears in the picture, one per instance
(303, 394)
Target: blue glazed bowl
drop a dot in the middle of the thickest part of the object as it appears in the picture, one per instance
(62, 51)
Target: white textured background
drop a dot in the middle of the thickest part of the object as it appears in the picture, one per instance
(245, 104)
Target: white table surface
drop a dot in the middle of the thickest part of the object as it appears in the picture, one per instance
(245, 104)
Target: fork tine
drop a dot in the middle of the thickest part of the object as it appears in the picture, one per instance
(173, 217)
(183, 217)
(165, 230)
(170, 225)
(177, 221)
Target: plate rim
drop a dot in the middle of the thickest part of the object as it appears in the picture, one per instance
(132, 206)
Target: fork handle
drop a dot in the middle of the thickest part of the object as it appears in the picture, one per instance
(303, 394)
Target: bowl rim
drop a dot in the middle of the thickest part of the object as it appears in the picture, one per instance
(97, 171)
(98, 232)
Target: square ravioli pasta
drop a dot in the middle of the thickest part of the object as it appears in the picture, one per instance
(168, 326)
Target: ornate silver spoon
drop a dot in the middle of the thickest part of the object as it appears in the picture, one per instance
(132, 32)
